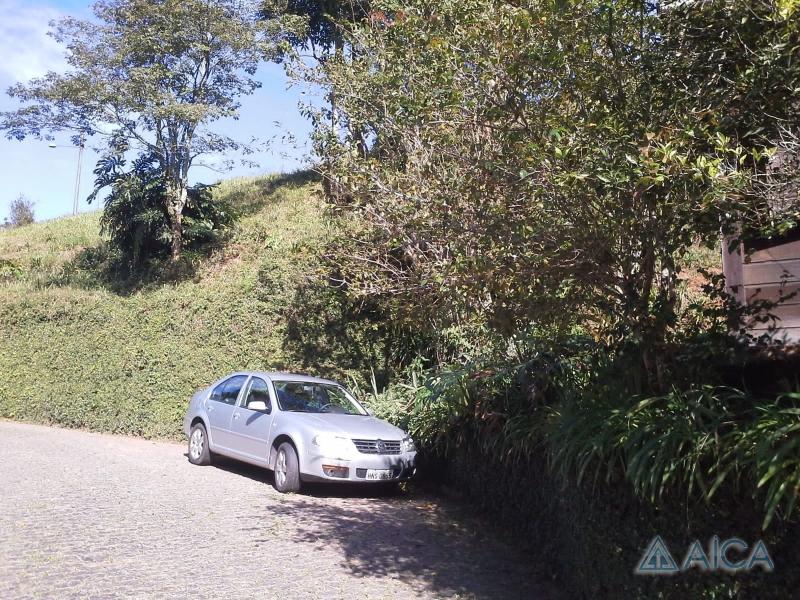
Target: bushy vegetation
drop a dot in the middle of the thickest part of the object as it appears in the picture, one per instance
(537, 190)
(136, 220)
(562, 450)
(517, 262)
(20, 212)
(77, 351)
(153, 78)
(542, 162)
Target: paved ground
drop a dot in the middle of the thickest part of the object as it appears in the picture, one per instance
(85, 515)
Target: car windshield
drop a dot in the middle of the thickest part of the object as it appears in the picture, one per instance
(303, 396)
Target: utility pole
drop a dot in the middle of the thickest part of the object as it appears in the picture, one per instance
(78, 175)
(81, 144)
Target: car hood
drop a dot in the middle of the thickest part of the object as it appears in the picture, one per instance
(354, 426)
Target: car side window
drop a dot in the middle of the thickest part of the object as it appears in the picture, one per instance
(231, 389)
(216, 394)
(258, 391)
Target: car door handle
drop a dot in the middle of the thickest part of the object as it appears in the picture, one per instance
(235, 415)
(210, 408)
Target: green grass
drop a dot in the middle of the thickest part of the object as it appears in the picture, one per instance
(42, 249)
(75, 352)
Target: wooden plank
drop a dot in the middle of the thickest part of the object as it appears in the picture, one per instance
(787, 334)
(787, 315)
(771, 272)
(773, 292)
(732, 268)
(787, 251)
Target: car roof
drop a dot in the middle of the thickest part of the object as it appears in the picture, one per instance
(278, 375)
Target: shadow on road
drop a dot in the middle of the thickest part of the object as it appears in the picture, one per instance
(411, 536)
(315, 489)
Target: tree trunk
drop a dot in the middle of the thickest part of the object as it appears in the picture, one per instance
(331, 186)
(177, 236)
(176, 200)
(338, 51)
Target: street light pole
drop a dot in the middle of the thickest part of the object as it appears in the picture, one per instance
(78, 176)
(81, 144)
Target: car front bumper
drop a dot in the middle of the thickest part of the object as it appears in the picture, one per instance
(402, 467)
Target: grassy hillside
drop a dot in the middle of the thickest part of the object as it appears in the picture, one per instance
(77, 351)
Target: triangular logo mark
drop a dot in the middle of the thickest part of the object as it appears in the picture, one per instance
(657, 560)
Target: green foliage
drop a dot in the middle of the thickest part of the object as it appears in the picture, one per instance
(152, 77)
(135, 217)
(396, 403)
(9, 270)
(579, 407)
(325, 20)
(538, 188)
(75, 352)
(545, 163)
(562, 451)
(695, 441)
(592, 536)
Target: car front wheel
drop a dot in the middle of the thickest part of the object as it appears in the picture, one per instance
(199, 454)
(287, 470)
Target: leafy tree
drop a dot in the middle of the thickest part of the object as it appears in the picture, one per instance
(135, 218)
(325, 21)
(540, 162)
(20, 212)
(328, 22)
(734, 67)
(156, 75)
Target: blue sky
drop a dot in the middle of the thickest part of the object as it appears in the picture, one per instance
(47, 176)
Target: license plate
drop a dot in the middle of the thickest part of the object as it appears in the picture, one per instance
(379, 474)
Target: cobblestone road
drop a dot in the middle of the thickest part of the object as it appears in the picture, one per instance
(86, 515)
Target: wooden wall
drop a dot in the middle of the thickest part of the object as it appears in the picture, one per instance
(767, 270)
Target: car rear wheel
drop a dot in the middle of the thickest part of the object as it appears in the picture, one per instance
(287, 470)
(199, 454)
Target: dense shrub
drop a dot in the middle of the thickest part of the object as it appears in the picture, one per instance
(592, 535)
(547, 162)
(90, 356)
(694, 442)
(20, 212)
(9, 270)
(135, 216)
(563, 449)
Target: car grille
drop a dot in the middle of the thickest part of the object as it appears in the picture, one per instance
(378, 446)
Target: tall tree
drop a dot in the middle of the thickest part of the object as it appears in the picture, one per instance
(537, 161)
(152, 75)
(328, 23)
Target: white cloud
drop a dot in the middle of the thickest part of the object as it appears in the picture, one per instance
(26, 50)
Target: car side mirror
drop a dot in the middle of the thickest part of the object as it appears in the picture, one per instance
(257, 405)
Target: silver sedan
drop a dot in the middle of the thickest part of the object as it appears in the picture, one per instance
(302, 428)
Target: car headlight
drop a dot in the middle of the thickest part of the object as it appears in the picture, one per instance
(334, 446)
(408, 445)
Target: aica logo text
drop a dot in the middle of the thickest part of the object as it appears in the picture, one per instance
(730, 555)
